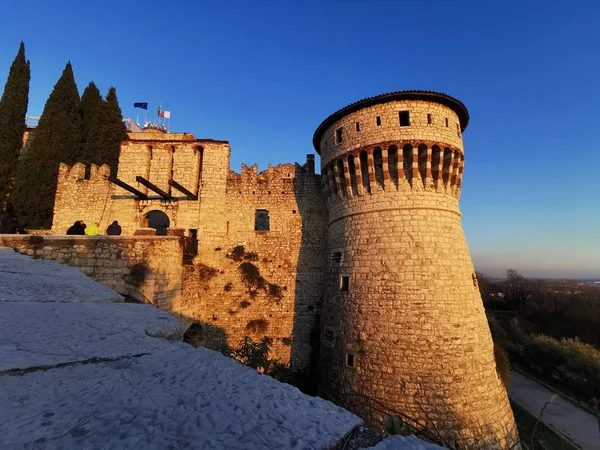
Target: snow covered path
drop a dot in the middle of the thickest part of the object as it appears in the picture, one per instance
(80, 369)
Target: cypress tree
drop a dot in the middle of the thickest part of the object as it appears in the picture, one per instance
(91, 102)
(107, 133)
(57, 139)
(13, 107)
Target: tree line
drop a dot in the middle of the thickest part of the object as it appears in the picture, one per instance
(561, 309)
(86, 129)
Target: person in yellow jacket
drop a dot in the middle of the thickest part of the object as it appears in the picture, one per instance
(92, 230)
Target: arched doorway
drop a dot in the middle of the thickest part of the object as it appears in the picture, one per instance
(157, 220)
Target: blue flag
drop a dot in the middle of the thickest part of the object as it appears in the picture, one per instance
(141, 105)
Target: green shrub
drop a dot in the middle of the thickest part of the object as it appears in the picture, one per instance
(499, 335)
(244, 304)
(254, 354)
(572, 362)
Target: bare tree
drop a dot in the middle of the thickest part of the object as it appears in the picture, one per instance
(515, 289)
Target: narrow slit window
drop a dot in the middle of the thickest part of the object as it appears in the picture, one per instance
(378, 121)
(458, 130)
(357, 126)
(339, 135)
(349, 360)
(88, 172)
(446, 122)
(404, 118)
(345, 284)
(429, 119)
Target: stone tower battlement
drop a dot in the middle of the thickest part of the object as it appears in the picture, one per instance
(403, 325)
(393, 143)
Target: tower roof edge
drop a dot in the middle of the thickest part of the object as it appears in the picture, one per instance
(438, 97)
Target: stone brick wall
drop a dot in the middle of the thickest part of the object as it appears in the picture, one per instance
(147, 268)
(180, 157)
(403, 324)
(290, 256)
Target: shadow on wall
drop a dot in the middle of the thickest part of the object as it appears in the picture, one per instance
(203, 334)
(311, 267)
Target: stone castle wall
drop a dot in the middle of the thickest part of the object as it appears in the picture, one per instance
(96, 199)
(147, 268)
(403, 325)
(289, 255)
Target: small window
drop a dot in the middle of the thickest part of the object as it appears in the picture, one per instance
(357, 126)
(404, 118)
(446, 122)
(337, 257)
(345, 284)
(261, 220)
(88, 172)
(349, 360)
(378, 121)
(428, 119)
(339, 135)
(458, 130)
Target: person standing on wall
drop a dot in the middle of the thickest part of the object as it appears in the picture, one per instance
(93, 229)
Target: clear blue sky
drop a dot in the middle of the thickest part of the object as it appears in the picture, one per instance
(264, 74)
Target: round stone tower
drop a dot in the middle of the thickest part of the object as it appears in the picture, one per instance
(403, 326)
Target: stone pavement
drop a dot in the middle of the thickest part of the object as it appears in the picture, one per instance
(580, 426)
(93, 374)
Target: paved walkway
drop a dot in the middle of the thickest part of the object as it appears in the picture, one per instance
(580, 426)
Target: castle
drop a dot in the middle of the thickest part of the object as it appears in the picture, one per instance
(369, 256)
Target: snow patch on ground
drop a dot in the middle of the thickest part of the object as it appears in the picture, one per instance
(79, 374)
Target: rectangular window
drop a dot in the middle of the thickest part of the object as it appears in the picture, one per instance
(404, 118)
(458, 130)
(349, 360)
(345, 284)
(378, 121)
(337, 257)
(261, 220)
(429, 119)
(357, 126)
(446, 122)
(339, 135)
